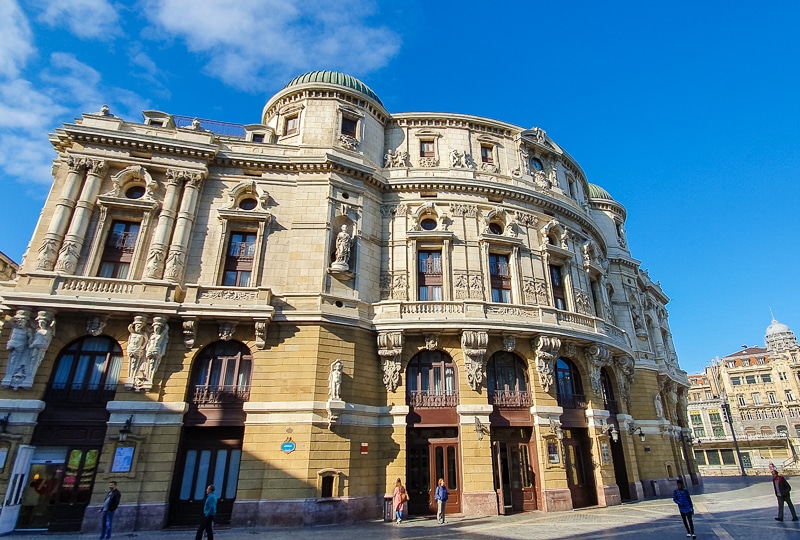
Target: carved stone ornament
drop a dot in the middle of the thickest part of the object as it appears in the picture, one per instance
(598, 357)
(431, 342)
(189, 332)
(395, 159)
(154, 346)
(261, 334)
(670, 392)
(509, 343)
(626, 370)
(390, 350)
(343, 245)
(226, 330)
(428, 162)
(154, 268)
(68, 257)
(473, 345)
(399, 287)
(546, 348)
(535, 291)
(351, 143)
(96, 324)
(335, 379)
(48, 253)
(27, 347)
(659, 406)
(174, 268)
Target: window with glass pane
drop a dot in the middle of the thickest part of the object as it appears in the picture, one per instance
(500, 277)
(557, 284)
(569, 389)
(432, 373)
(239, 259)
(222, 373)
(430, 276)
(719, 431)
(90, 363)
(505, 372)
(118, 250)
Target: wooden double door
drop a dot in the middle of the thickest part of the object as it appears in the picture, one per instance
(580, 469)
(433, 454)
(514, 477)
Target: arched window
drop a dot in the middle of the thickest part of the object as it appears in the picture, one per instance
(431, 380)
(86, 370)
(766, 430)
(569, 390)
(506, 382)
(222, 374)
(609, 403)
(782, 430)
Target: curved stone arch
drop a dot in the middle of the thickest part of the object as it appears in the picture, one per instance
(218, 349)
(497, 215)
(242, 190)
(132, 176)
(580, 369)
(553, 233)
(425, 210)
(436, 355)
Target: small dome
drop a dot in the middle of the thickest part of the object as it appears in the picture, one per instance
(777, 328)
(334, 77)
(596, 192)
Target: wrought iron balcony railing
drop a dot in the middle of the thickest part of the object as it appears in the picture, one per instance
(423, 399)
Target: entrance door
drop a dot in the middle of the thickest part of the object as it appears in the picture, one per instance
(431, 458)
(620, 471)
(513, 477)
(445, 463)
(76, 490)
(16, 485)
(580, 473)
(210, 456)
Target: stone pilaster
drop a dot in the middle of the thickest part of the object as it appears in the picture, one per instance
(176, 259)
(48, 251)
(157, 252)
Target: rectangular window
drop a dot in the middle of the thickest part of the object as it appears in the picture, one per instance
(349, 126)
(745, 362)
(742, 400)
(732, 364)
(709, 395)
(771, 397)
(727, 457)
(487, 154)
(426, 149)
(118, 251)
(719, 431)
(751, 379)
(756, 398)
(700, 456)
(557, 282)
(761, 361)
(782, 376)
(697, 419)
(713, 457)
(239, 259)
(789, 395)
(766, 378)
(715, 417)
(430, 276)
(736, 381)
(500, 276)
(258, 137)
(699, 432)
(291, 125)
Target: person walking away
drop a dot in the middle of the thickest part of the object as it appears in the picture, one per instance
(441, 500)
(110, 505)
(399, 499)
(782, 489)
(209, 511)
(682, 498)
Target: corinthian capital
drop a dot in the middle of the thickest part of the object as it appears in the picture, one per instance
(76, 164)
(95, 166)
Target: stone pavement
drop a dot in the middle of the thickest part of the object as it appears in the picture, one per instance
(725, 508)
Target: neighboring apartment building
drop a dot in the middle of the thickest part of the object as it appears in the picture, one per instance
(8, 268)
(303, 310)
(761, 386)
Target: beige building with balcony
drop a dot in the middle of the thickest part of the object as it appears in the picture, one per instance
(305, 309)
(761, 386)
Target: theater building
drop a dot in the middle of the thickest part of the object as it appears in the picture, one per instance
(304, 309)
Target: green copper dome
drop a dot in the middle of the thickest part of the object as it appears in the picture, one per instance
(596, 192)
(334, 77)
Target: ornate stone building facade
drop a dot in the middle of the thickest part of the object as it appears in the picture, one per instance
(761, 387)
(303, 310)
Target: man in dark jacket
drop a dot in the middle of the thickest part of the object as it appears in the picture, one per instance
(110, 505)
(782, 489)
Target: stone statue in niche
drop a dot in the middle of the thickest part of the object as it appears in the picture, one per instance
(659, 406)
(343, 241)
(335, 379)
(42, 336)
(18, 344)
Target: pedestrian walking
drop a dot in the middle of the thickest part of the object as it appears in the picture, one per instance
(782, 489)
(399, 500)
(441, 500)
(110, 505)
(209, 512)
(682, 498)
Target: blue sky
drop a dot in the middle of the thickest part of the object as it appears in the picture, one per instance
(686, 112)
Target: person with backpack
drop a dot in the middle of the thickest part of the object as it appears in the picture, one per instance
(682, 498)
(782, 489)
(441, 500)
(399, 500)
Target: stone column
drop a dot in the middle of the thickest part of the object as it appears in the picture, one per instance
(176, 260)
(48, 251)
(157, 254)
(70, 251)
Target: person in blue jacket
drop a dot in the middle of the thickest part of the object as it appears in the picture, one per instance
(682, 498)
(209, 511)
(441, 500)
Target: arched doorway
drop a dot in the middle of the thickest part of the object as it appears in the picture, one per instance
(433, 447)
(69, 435)
(211, 440)
(617, 452)
(514, 457)
(577, 443)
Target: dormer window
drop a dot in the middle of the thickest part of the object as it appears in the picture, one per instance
(291, 125)
(258, 137)
(536, 164)
(487, 154)
(157, 123)
(349, 126)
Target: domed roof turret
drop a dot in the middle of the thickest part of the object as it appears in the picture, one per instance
(779, 337)
(777, 328)
(334, 77)
(596, 192)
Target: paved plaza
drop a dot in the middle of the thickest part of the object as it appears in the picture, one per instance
(725, 508)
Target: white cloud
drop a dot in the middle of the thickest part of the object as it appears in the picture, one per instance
(15, 39)
(87, 19)
(248, 40)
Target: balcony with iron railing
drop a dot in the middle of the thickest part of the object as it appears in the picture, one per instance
(220, 395)
(424, 399)
(572, 401)
(85, 393)
(510, 399)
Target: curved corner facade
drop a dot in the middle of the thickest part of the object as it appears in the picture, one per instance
(303, 310)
